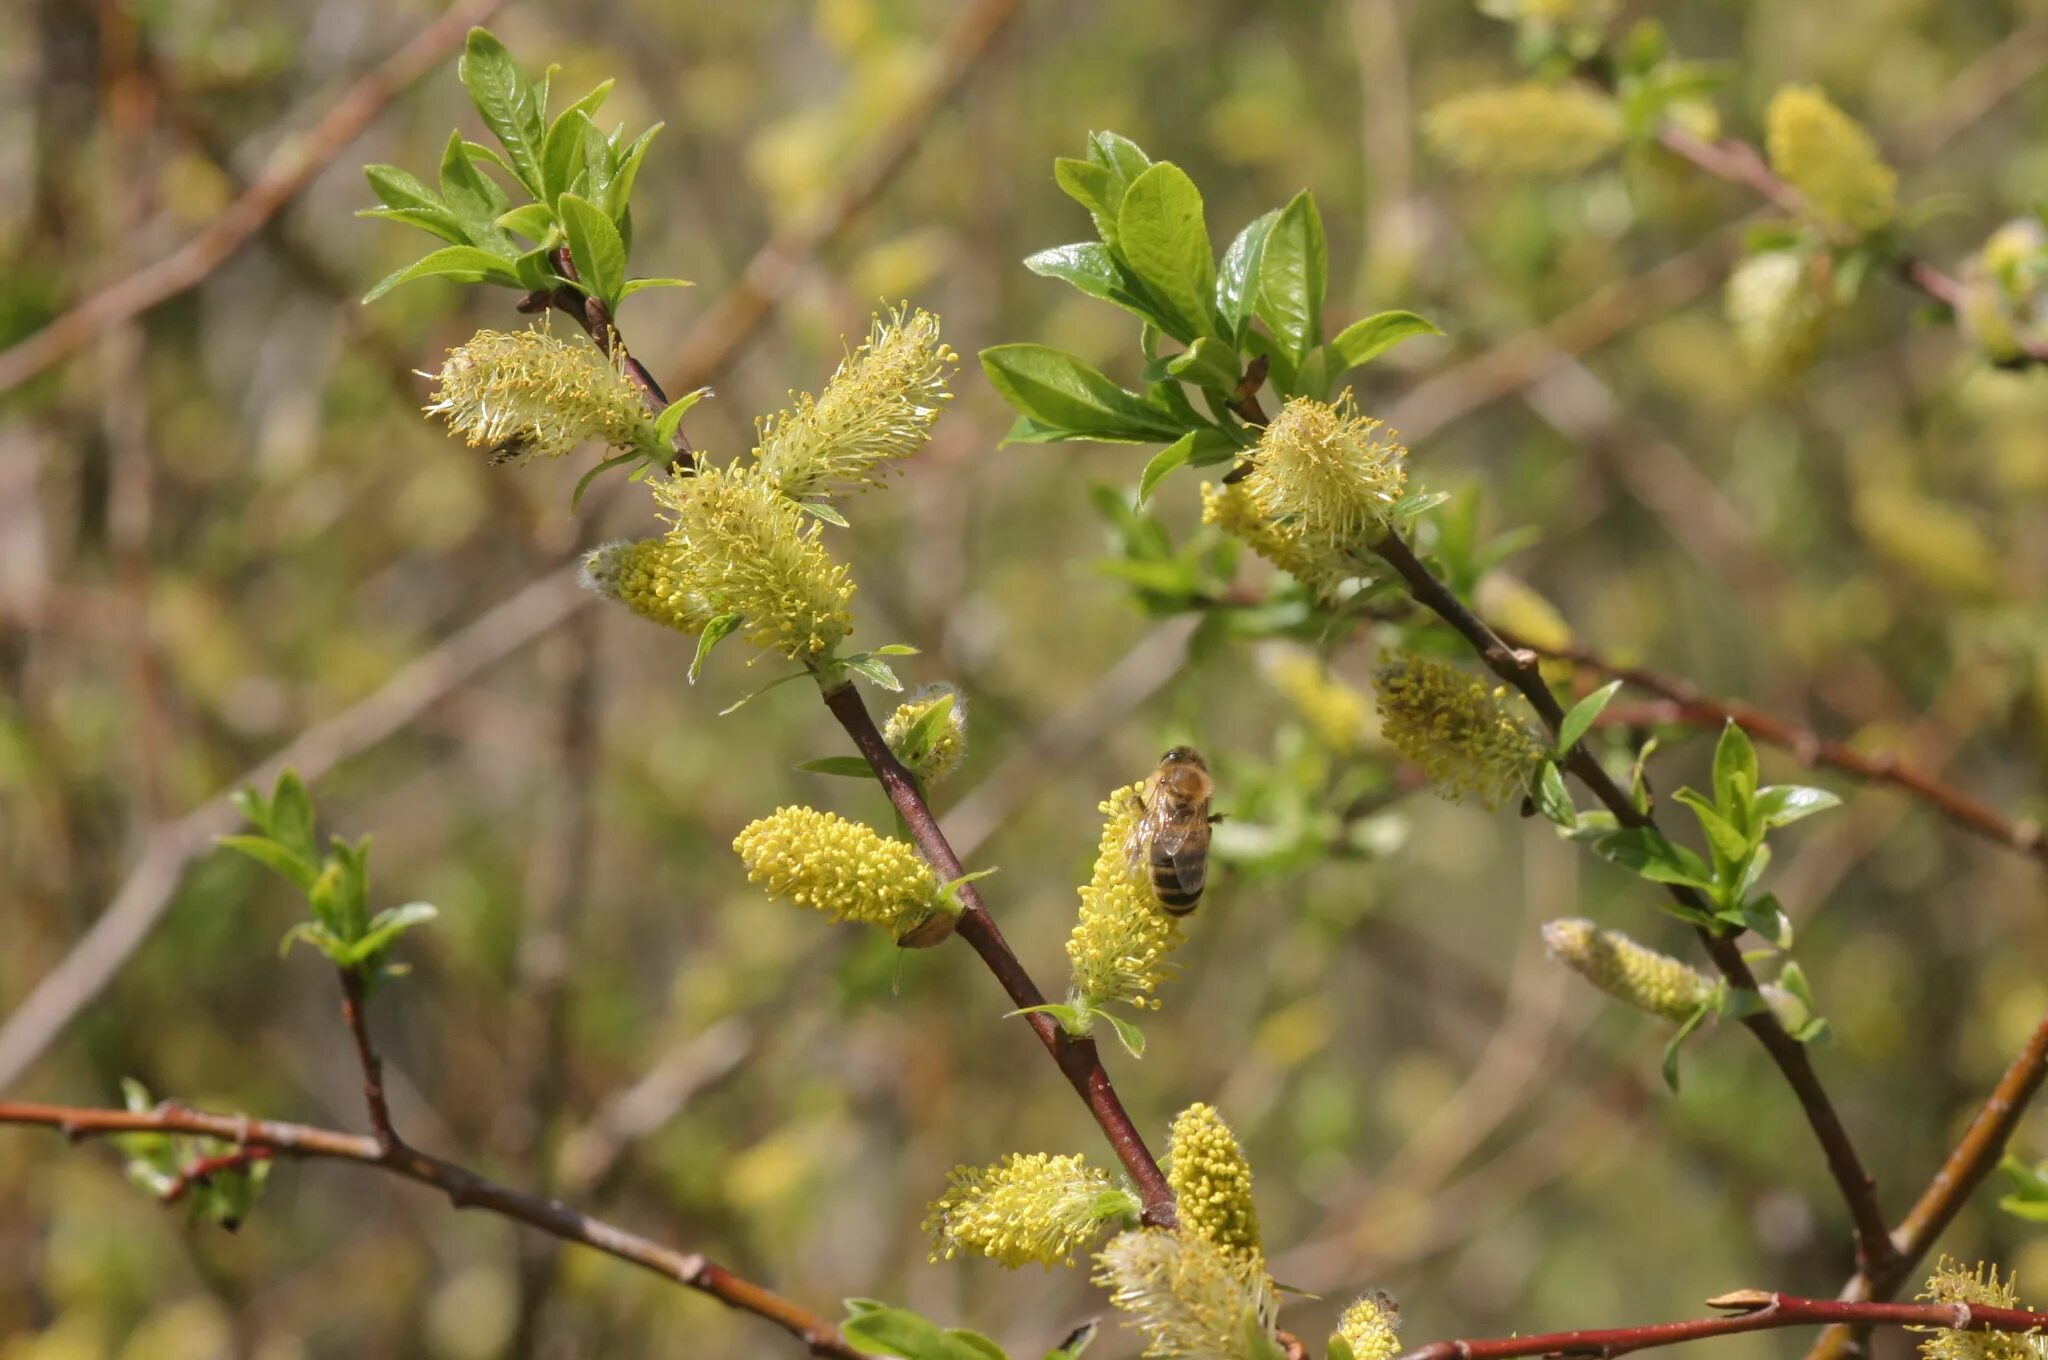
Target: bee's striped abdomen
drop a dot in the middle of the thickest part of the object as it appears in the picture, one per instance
(1175, 896)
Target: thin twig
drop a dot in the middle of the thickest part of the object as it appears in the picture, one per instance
(1078, 1058)
(353, 1014)
(1686, 704)
(465, 1190)
(293, 166)
(1874, 1248)
(1759, 1312)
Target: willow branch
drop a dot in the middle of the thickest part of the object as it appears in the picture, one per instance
(1077, 1057)
(1740, 163)
(295, 164)
(1874, 1248)
(1758, 1311)
(1685, 703)
(465, 1190)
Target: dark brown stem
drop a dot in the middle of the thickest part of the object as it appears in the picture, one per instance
(1688, 705)
(464, 1188)
(206, 1168)
(596, 320)
(1517, 667)
(352, 1012)
(1078, 1058)
(1760, 1312)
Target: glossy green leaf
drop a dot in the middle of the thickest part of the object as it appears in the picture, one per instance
(1363, 341)
(1237, 279)
(595, 245)
(1727, 839)
(900, 1332)
(1166, 460)
(1582, 715)
(1294, 276)
(1210, 363)
(562, 152)
(508, 102)
(1096, 188)
(1127, 1033)
(1734, 774)
(1092, 268)
(531, 220)
(1065, 395)
(874, 669)
(1119, 155)
(464, 264)
(475, 200)
(1670, 1064)
(635, 285)
(1163, 237)
(1553, 799)
(1075, 1342)
(715, 632)
(845, 767)
(618, 194)
(1644, 851)
(1783, 804)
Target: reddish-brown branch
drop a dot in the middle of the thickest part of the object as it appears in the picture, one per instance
(1686, 704)
(353, 1014)
(1078, 1058)
(289, 171)
(1874, 1249)
(206, 1168)
(465, 1190)
(1740, 163)
(1759, 1312)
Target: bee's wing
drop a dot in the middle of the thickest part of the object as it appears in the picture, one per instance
(1187, 850)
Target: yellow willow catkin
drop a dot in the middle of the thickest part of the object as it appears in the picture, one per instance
(1190, 1297)
(1212, 1180)
(940, 752)
(1526, 130)
(844, 869)
(1029, 1208)
(878, 407)
(1950, 1283)
(642, 576)
(1321, 567)
(1119, 945)
(742, 547)
(526, 394)
(1828, 157)
(1372, 1328)
(1778, 312)
(1457, 731)
(1629, 972)
(1338, 714)
(1331, 474)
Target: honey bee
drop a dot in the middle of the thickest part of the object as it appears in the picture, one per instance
(1171, 837)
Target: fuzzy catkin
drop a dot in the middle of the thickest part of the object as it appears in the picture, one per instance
(527, 394)
(1119, 945)
(1457, 731)
(845, 869)
(1629, 972)
(1212, 1180)
(1028, 1209)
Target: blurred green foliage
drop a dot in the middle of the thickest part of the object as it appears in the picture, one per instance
(229, 521)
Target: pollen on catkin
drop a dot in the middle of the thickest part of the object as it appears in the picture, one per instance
(1333, 474)
(641, 575)
(1119, 945)
(1212, 1180)
(1530, 129)
(845, 869)
(1190, 1297)
(527, 394)
(1629, 972)
(1461, 734)
(1371, 1328)
(1338, 714)
(1778, 311)
(742, 547)
(1029, 1208)
(878, 407)
(1321, 567)
(936, 752)
(1828, 157)
(1950, 1283)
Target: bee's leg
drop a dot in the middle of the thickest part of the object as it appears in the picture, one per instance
(1216, 817)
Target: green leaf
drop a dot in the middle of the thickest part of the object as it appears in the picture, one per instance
(1766, 916)
(278, 858)
(618, 195)
(672, 415)
(475, 199)
(714, 633)
(508, 102)
(1692, 1022)
(900, 1332)
(531, 220)
(595, 245)
(1093, 269)
(846, 767)
(1553, 800)
(439, 221)
(1118, 154)
(386, 927)
(1363, 341)
(1726, 838)
(1416, 502)
(1072, 1019)
(1783, 804)
(562, 152)
(895, 649)
(2029, 1199)
(751, 695)
(1734, 775)
(1582, 715)
(1237, 280)
(1132, 1038)
(1163, 237)
(1075, 1342)
(1163, 462)
(1294, 276)
(1644, 851)
(635, 285)
(464, 264)
(824, 511)
(1062, 393)
(1208, 362)
(1096, 188)
(874, 669)
(1338, 1349)
(396, 188)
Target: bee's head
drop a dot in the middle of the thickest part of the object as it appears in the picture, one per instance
(1183, 755)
